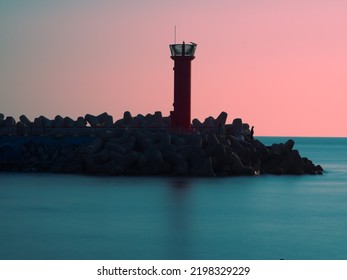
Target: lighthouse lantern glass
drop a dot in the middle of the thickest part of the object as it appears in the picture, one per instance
(177, 49)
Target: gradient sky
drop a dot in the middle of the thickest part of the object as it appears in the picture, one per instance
(279, 65)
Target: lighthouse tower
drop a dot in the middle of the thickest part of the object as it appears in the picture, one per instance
(182, 54)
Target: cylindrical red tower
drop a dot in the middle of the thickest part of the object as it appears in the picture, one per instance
(182, 54)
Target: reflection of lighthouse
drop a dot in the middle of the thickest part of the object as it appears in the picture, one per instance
(182, 54)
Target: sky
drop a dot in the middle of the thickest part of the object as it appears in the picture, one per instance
(278, 65)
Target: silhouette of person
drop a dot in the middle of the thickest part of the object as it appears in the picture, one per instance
(252, 133)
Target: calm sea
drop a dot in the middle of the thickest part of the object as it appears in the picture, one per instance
(45, 216)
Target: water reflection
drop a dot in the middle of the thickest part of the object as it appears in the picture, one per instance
(179, 220)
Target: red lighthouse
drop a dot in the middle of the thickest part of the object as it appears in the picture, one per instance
(182, 54)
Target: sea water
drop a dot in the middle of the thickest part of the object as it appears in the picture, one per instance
(55, 216)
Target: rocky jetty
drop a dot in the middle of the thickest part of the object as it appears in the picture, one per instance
(143, 145)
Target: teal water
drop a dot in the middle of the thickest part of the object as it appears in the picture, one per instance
(49, 216)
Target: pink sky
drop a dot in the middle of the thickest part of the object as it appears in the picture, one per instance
(279, 65)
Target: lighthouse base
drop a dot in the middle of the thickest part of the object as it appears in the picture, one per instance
(178, 125)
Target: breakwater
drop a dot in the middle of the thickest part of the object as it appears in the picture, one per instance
(143, 145)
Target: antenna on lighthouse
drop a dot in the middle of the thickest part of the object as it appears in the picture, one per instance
(175, 34)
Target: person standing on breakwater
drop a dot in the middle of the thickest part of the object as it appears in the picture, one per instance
(252, 133)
